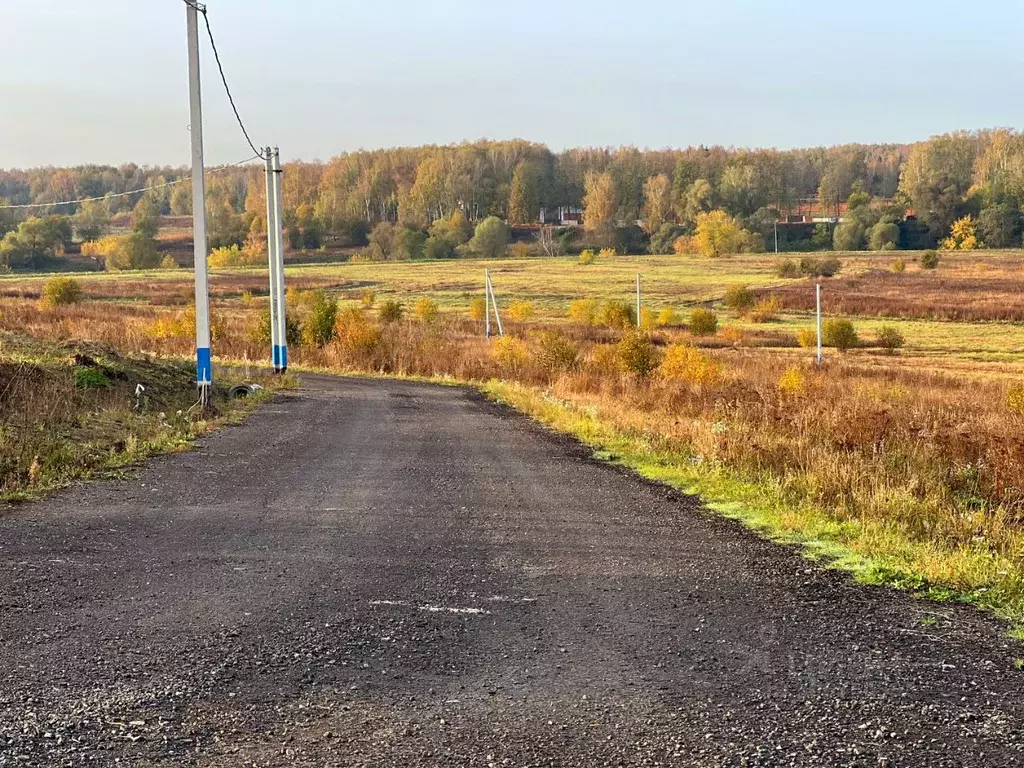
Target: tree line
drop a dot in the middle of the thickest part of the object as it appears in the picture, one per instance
(631, 198)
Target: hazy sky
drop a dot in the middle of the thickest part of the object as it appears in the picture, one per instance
(106, 80)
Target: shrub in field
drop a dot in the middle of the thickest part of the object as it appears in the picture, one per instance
(930, 260)
(1015, 398)
(703, 322)
(318, 328)
(689, 365)
(607, 253)
(260, 332)
(617, 314)
(61, 291)
(425, 309)
(637, 354)
(511, 353)
(390, 311)
(839, 334)
(368, 298)
(648, 320)
(168, 262)
(735, 336)
(356, 335)
(91, 378)
(520, 311)
(787, 269)
(182, 326)
(820, 267)
(766, 310)
(667, 317)
(233, 256)
(478, 308)
(124, 252)
(684, 245)
(890, 339)
(586, 258)
(519, 251)
(793, 382)
(738, 298)
(555, 352)
(899, 266)
(584, 311)
(807, 338)
(605, 360)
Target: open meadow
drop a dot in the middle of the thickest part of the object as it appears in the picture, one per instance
(901, 457)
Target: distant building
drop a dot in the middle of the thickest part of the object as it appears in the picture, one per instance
(563, 216)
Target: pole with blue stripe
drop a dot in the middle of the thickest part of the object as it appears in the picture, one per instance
(204, 365)
(282, 309)
(272, 226)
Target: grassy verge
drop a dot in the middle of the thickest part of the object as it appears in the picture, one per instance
(70, 411)
(875, 552)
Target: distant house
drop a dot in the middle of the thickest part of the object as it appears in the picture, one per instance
(563, 216)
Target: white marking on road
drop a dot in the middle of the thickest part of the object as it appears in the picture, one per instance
(429, 608)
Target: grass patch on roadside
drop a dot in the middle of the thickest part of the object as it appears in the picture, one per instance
(875, 552)
(69, 411)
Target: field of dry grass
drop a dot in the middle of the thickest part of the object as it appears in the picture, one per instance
(913, 460)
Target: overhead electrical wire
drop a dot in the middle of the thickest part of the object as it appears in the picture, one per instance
(128, 193)
(223, 78)
(257, 153)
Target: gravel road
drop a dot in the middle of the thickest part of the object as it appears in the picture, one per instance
(373, 573)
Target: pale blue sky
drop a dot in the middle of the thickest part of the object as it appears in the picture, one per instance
(105, 80)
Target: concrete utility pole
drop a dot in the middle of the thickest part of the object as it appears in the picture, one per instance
(204, 363)
(487, 303)
(282, 309)
(776, 236)
(817, 294)
(272, 226)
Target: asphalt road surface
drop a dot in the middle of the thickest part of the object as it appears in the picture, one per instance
(377, 574)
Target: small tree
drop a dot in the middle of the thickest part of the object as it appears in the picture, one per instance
(491, 238)
(703, 322)
(884, 236)
(478, 308)
(61, 292)
(738, 298)
(318, 328)
(390, 311)
(717, 233)
(930, 260)
(520, 311)
(890, 339)
(839, 334)
(637, 354)
(962, 236)
(426, 309)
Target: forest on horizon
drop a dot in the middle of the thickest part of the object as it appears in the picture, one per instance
(630, 198)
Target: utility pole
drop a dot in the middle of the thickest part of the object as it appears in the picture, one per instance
(639, 305)
(776, 237)
(817, 294)
(204, 363)
(487, 303)
(282, 309)
(272, 226)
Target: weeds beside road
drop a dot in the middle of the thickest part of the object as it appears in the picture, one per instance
(71, 410)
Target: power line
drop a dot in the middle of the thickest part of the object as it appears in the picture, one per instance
(223, 78)
(130, 192)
